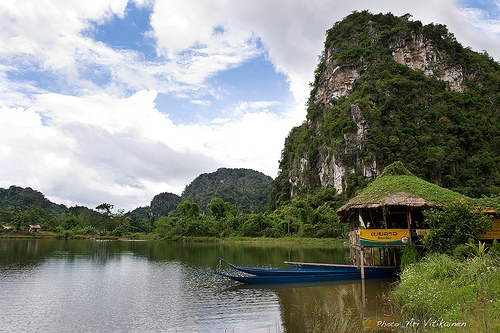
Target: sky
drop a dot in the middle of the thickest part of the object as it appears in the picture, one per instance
(115, 101)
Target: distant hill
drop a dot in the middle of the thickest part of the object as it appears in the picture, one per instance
(17, 198)
(164, 203)
(247, 189)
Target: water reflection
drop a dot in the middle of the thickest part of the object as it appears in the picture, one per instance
(301, 303)
(88, 286)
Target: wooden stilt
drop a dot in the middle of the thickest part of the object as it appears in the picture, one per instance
(362, 252)
(363, 293)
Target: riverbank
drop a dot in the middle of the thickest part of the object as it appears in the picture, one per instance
(302, 241)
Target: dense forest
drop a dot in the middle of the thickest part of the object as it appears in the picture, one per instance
(445, 131)
(310, 217)
(228, 202)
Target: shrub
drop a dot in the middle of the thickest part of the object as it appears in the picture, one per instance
(410, 256)
(456, 224)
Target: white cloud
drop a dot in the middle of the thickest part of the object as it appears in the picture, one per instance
(28, 149)
(112, 153)
(479, 28)
(50, 29)
(81, 141)
(123, 146)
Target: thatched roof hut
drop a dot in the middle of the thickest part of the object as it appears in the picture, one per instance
(388, 214)
(396, 190)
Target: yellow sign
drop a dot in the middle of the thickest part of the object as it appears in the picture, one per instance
(494, 233)
(384, 237)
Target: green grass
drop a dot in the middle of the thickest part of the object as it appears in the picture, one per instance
(326, 319)
(450, 291)
(390, 185)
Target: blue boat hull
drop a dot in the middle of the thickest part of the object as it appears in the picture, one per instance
(371, 270)
(303, 274)
(291, 271)
(293, 278)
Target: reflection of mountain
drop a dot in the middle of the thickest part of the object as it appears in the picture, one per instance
(25, 252)
(130, 284)
(337, 304)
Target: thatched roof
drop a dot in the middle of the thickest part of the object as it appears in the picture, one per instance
(396, 186)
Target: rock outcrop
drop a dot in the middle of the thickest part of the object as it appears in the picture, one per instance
(420, 54)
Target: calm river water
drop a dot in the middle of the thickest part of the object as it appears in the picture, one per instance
(130, 286)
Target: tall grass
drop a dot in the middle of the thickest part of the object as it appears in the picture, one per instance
(443, 294)
(323, 318)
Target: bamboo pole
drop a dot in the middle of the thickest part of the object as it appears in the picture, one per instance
(409, 225)
(362, 264)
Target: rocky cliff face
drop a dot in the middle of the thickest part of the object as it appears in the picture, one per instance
(417, 53)
(358, 100)
(421, 54)
(338, 80)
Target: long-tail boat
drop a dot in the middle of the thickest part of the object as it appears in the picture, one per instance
(305, 273)
(280, 279)
(298, 270)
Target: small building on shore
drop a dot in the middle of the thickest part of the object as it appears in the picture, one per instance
(388, 215)
(34, 228)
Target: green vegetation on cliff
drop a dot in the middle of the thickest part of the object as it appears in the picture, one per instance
(448, 135)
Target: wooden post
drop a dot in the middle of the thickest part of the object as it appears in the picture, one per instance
(362, 263)
(409, 225)
(363, 295)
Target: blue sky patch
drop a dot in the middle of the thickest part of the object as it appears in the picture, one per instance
(99, 75)
(127, 33)
(490, 8)
(253, 81)
(36, 76)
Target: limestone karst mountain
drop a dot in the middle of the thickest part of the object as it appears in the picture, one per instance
(386, 89)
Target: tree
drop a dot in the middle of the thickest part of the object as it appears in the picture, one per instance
(221, 209)
(166, 227)
(189, 209)
(105, 209)
(70, 221)
(21, 220)
(33, 216)
(106, 216)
